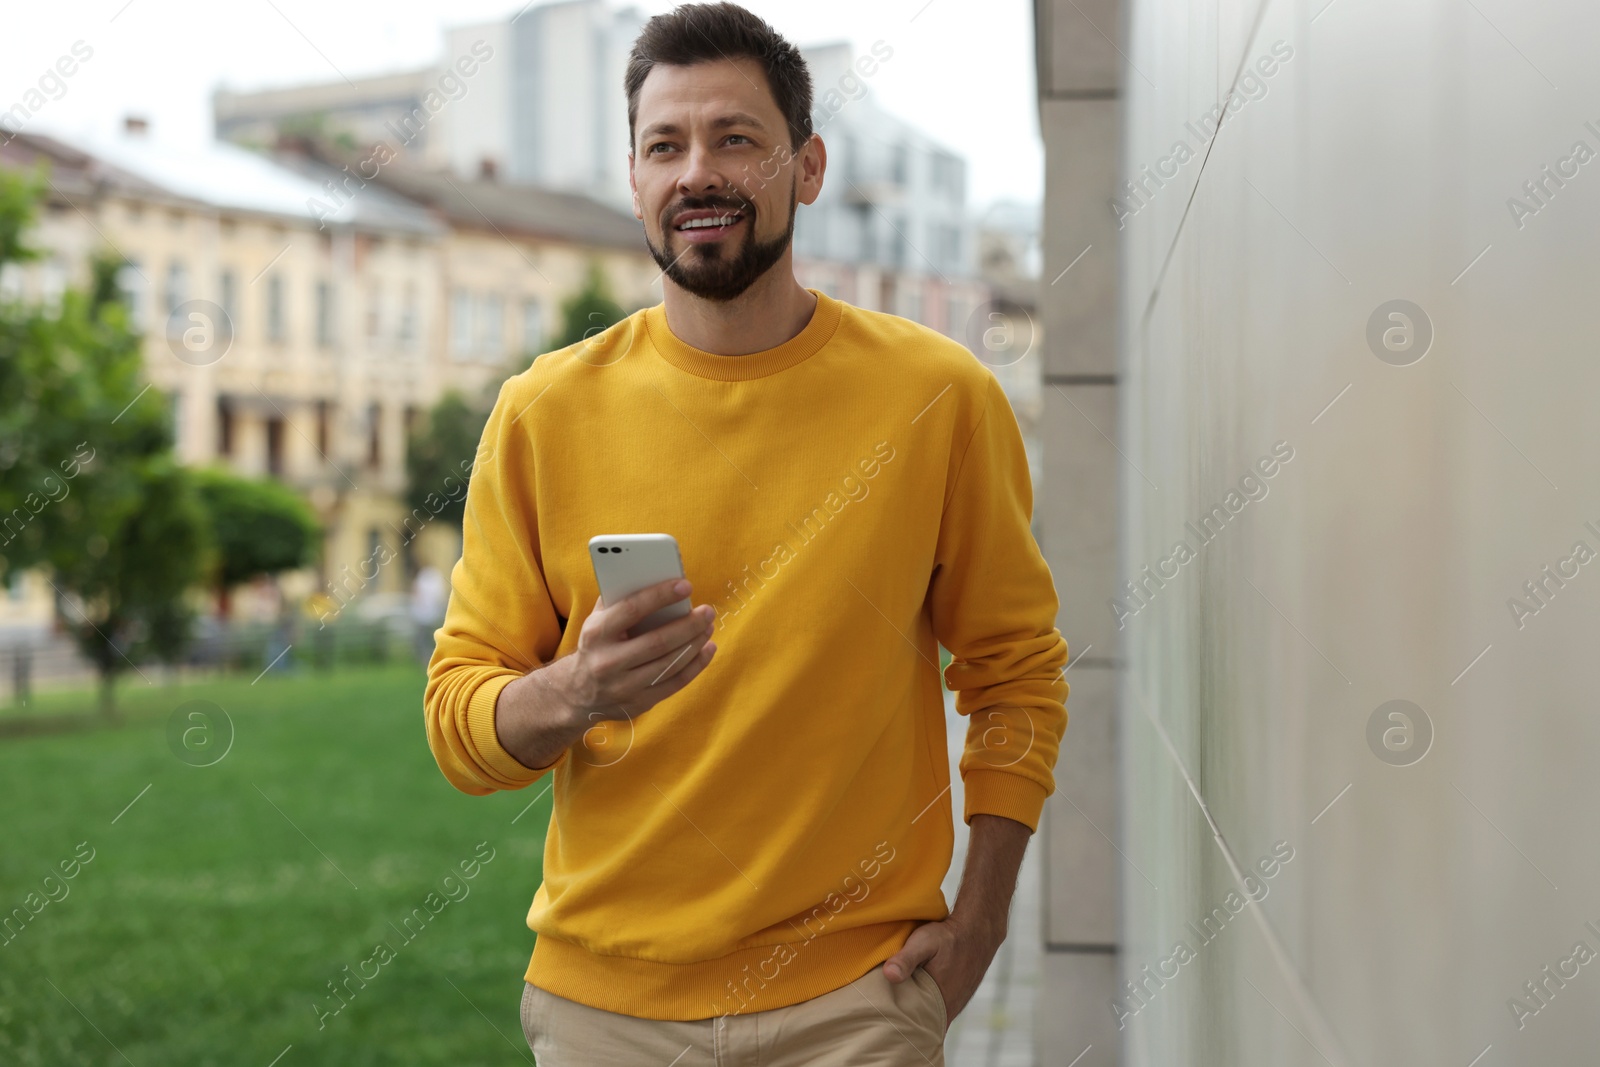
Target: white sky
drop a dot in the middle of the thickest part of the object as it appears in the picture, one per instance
(965, 78)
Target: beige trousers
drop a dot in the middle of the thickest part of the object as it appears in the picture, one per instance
(869, 1023)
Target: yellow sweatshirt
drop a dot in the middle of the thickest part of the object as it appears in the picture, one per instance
(849, 501)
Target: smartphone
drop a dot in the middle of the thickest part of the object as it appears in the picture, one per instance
(627, 563)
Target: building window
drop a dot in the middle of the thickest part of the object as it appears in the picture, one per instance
(323, 417)
(460, 323)
(224, 427)
(408, 316)
(374, 435)
(947, 175)
(277, 314)
(130, 281)
(325, 315)
(374, 314)
(532, 327)
(899, 167)
(491, 341)
(177, 285)
(228, 292)
(275, 446)
(947, 249)
(867, 233)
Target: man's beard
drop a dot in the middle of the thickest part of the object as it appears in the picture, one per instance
(727, 275)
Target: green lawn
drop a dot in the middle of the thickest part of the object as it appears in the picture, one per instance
(218, 907)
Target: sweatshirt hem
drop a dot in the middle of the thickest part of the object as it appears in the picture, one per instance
(748, 980)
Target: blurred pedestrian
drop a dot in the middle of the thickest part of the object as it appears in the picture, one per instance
(428, 599)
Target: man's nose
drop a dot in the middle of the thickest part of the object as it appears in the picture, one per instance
(700, 173)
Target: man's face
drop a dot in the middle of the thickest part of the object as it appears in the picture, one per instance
(715, 178)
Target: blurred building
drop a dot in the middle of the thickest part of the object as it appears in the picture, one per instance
(891, 230)
(535, 99)
(508, 254)
(301, 388)
(538, 98)
(331, 313)
(552, 112)
(1007, 332)
(392, 108)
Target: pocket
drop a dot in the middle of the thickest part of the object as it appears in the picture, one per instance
(931, 985)
(527, 1013)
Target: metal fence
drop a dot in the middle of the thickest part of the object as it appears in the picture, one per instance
(53, 660)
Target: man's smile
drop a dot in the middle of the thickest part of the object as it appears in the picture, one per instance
(707, 225)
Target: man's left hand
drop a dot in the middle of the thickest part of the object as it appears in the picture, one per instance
(955, 952)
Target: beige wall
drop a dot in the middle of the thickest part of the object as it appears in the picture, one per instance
(489, 269)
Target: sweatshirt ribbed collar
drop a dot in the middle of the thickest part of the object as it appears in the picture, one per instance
(817, 332)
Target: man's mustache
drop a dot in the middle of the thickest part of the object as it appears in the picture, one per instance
(705, 203)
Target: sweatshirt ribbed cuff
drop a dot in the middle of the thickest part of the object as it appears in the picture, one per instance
(486, 745)
(1000, 793)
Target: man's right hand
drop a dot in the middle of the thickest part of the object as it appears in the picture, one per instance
(611, 675)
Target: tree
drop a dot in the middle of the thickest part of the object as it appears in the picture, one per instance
(585, 313)
(443, 448)
(121, 594)
(588, 311)
(88, 486)
(256, 527)
(31, 380)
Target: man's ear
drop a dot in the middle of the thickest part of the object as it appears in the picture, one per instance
(633, 187)
(813, 163)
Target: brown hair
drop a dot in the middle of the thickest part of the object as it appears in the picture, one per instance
(701, 33)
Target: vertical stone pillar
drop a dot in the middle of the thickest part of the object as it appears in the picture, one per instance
(1078, 504)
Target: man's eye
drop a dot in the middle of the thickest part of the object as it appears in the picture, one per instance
(659, 144)
(738, 137)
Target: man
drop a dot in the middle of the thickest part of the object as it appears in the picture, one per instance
(749, 833)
